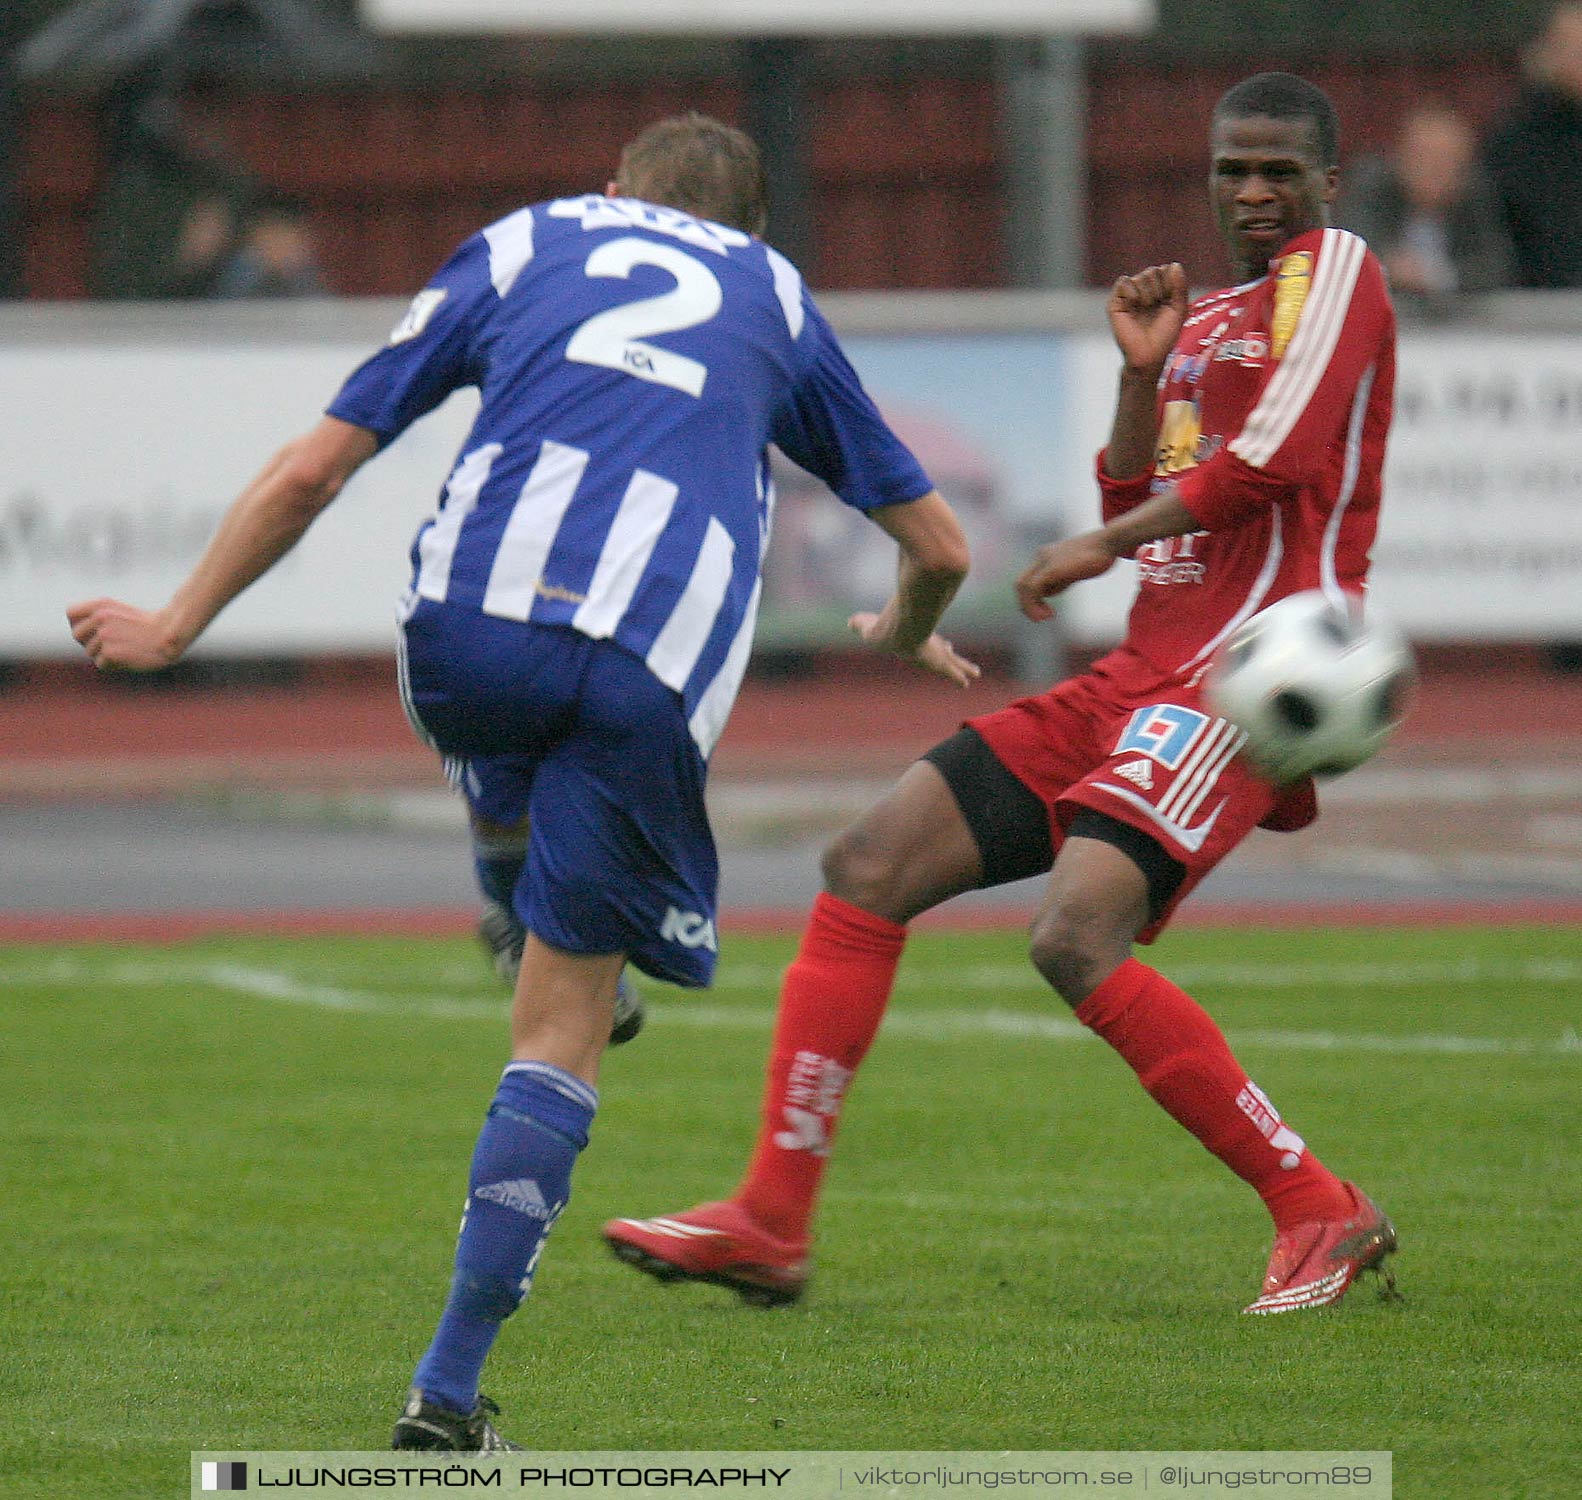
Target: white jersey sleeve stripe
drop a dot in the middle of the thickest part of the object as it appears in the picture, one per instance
(530, 533)
(714, 707)
(678, 646)
(1328, 322)
(645, 510)
(1285, 398)
(436, 547)
(1348, 487)
(510, 248)
(788, 288)
(1318, 332)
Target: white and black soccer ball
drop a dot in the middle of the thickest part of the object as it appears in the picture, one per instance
(1316, 688)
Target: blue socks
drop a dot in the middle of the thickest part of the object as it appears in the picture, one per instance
(520, 1181)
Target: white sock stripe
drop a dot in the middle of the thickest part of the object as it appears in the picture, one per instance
(564, 1083)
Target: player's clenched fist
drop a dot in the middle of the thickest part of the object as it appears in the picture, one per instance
(117, 635)
(1146, 313)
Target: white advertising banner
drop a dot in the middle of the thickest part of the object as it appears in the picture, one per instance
(116, 463)
(761, 17)
(1481, 535)
(118, 456)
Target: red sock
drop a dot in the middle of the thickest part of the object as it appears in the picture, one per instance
(831, 1003)
(1183, 1060)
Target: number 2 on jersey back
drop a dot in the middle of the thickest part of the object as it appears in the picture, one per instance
(615, 338)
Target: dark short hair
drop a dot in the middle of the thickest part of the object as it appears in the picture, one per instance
(701, 166)
(1284, 96)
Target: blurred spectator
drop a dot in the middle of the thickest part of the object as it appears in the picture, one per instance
(1535, 157)
(205, 244)
(165, 184)
(276, 257)
(180, 216)
(1429, 211)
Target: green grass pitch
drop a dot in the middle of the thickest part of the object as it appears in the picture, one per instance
(232, 1172)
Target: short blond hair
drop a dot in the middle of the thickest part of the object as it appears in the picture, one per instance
(701, 166)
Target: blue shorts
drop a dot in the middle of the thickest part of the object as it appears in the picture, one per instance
(581, 739)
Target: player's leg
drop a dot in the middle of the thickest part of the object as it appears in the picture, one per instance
(520, 1178)
(616, 788)
(906, 854)
(499, 854)
(1110, 883)
(956, 821)
(911, 851)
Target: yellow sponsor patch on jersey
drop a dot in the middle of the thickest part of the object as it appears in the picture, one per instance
(1179, 431)
(1292, 282)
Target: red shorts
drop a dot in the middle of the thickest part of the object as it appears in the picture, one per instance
(1161, 762)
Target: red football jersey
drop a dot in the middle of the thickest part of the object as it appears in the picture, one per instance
(1274, 408)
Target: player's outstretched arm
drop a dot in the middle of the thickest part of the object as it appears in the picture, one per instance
(264, 522)
(934, 560)
(1058, 565)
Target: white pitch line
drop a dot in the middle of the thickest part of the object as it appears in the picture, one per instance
(269, 984)
(260, 984)
(928, 1026)
(952, 1025)
(1248, 973)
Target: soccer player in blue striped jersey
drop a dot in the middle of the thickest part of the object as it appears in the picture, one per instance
(580, 613)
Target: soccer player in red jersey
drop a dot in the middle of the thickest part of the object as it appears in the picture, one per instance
(1243, 465)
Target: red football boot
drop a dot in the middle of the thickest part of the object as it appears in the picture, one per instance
(1314, 1263)
(717, 1243)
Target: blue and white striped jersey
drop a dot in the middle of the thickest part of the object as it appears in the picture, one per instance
(634, 364)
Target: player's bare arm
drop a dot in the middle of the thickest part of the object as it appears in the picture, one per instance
(1058, 565)
(264, 522)
(934, 560)
(1146, 311)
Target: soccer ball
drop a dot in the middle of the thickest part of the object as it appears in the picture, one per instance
(1316, 689)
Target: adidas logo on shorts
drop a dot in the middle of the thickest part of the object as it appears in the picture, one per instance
(1139, 772)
